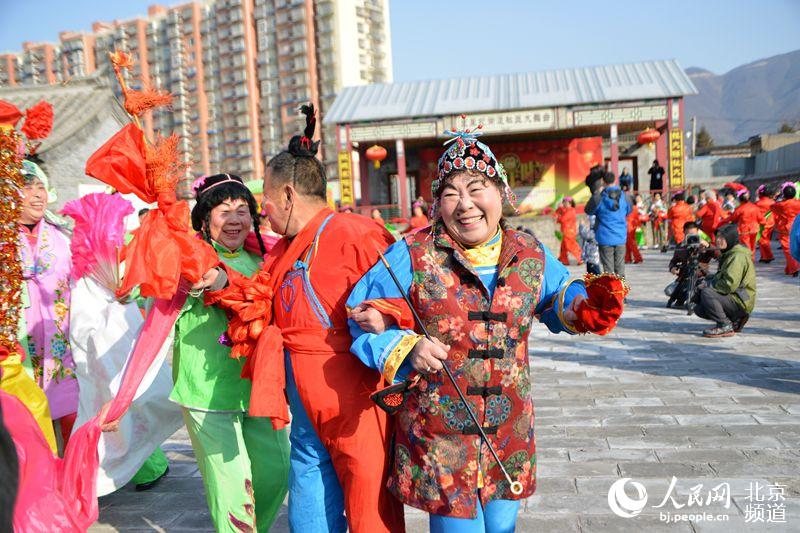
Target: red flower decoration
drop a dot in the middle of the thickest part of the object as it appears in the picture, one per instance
(474, 151)
(601, 310)
(9, 113)
(38, 121)
(249, 304)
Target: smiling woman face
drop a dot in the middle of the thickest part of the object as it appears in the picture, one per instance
(230, 222)
(34, 201)
(471, 207)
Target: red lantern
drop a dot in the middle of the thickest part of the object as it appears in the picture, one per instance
(648, 136)
(377, 154)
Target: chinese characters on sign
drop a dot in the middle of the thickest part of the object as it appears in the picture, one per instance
(345, 178)
(383, 132)
(521, 174)
(618, 115)
(540, 119)
(676, 178)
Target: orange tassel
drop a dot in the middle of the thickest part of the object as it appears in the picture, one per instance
(137, 102)
(162, 165)
(121, 60)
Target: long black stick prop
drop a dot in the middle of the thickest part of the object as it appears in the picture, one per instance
(516, 486)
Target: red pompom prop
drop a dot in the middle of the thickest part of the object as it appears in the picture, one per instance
(38, 121)
(9, 113)
(248, 302)
(603, 307)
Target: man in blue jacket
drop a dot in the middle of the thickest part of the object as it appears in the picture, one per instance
(794, 239)
(610, 206)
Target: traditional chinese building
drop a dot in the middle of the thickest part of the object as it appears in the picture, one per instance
(548, 128)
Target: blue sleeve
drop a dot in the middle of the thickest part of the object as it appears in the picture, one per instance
(373, 349)
(794, 238)
(555, 282)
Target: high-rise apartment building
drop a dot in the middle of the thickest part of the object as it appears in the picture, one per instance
(238, 70)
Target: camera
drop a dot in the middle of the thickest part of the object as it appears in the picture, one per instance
(595, 178)
(693, 240)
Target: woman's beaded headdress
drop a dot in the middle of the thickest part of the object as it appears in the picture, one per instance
(467, 153)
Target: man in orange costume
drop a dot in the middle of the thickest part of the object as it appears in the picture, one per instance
(785, 212)
(679, 214)
(764, 204)
(710, 214)
(339, 438)
(567, 218)
(748, 218)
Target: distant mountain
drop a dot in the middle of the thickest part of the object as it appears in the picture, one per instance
(748, 100)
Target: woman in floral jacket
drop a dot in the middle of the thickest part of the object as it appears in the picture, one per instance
(46, 262)
(477, 285)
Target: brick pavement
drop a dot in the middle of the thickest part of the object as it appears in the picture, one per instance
(650, 401)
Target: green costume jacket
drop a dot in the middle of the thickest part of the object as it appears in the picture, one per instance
(206, 377)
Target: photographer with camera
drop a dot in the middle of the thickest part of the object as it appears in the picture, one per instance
(729, 296)
(689, 264)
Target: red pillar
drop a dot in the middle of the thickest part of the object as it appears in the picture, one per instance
(666, 164)
(614, 151)
(401, 178)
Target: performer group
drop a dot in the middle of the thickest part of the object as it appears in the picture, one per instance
(323, 359)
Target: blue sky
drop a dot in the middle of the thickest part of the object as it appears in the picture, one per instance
(445, 38)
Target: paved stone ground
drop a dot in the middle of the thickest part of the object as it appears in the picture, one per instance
(650, 401)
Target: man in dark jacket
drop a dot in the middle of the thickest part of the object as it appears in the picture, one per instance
(626, 180)
(611, 206)
(656, 177)
(730, 295)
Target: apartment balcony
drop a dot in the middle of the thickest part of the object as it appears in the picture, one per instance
(326, 9)
(260, 11)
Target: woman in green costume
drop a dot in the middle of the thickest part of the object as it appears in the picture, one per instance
(243, 461)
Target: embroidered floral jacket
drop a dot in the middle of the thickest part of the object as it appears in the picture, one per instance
(439, 462)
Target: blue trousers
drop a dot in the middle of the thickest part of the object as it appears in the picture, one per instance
(499, 516)
(316, 501)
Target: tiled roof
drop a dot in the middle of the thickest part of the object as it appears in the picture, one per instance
(508, 92)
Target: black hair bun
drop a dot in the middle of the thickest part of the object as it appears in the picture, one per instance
(302, 145)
